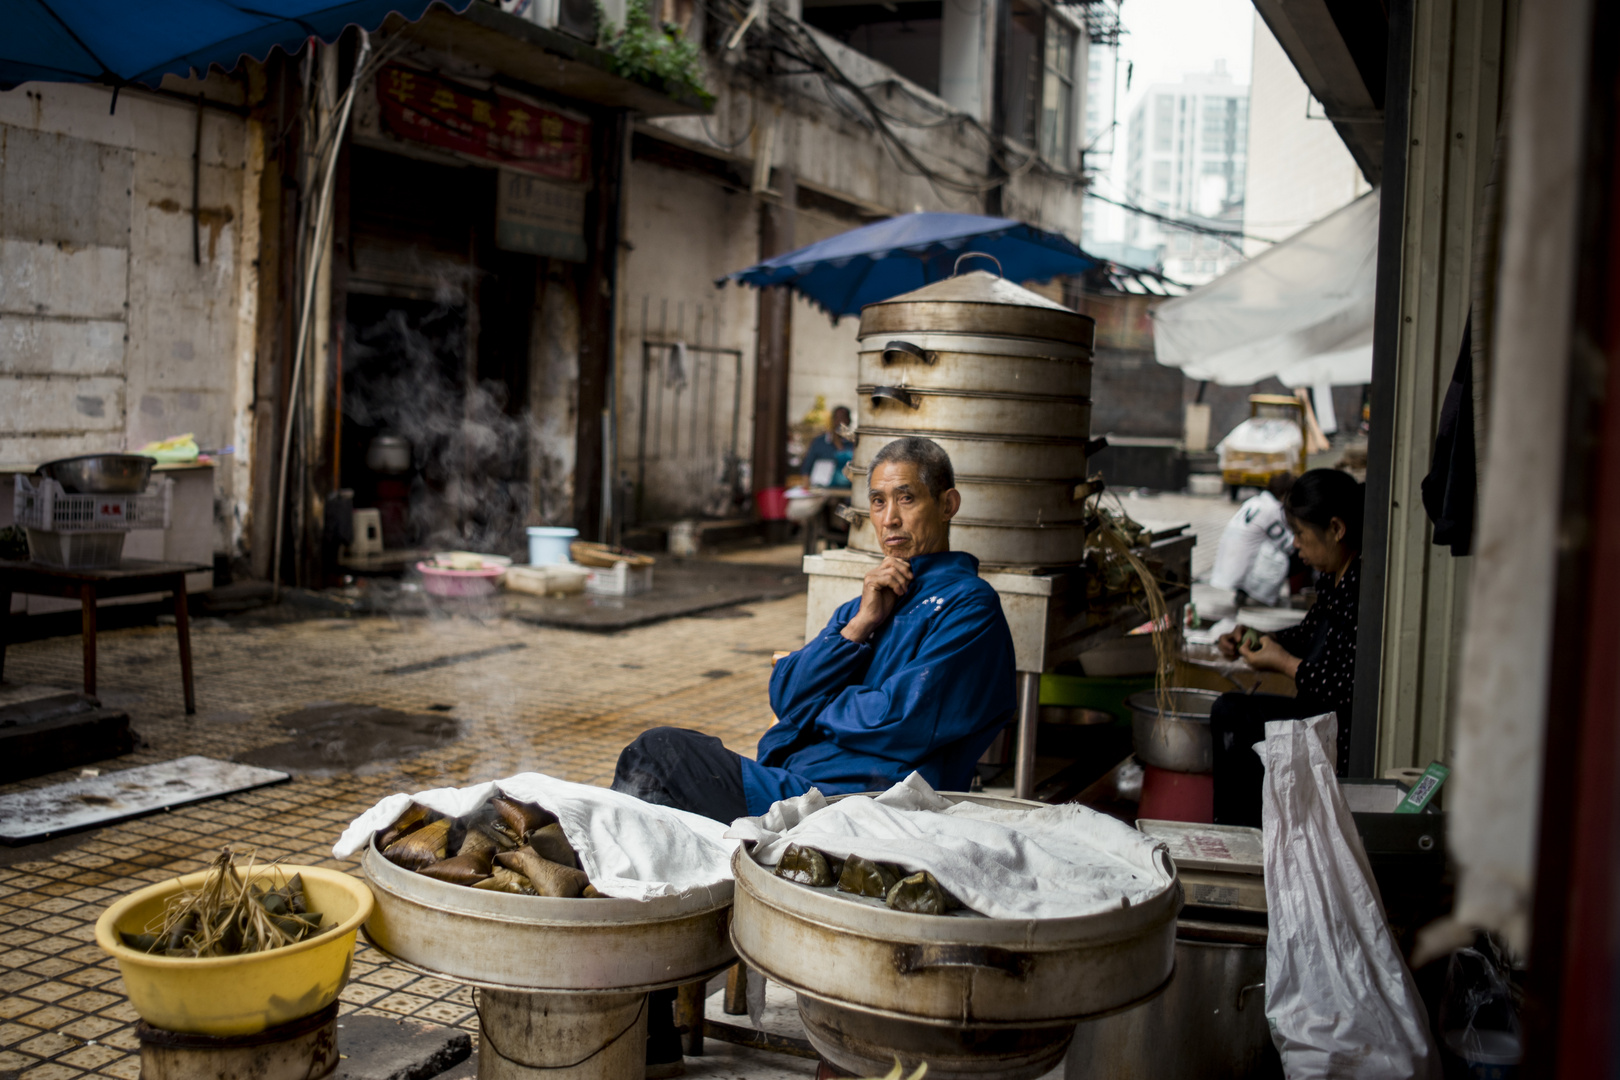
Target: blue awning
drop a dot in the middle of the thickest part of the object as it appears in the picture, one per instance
(117, 41)
(877, 262)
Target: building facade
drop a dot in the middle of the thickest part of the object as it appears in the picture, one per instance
(518, 273)
(1186, 154)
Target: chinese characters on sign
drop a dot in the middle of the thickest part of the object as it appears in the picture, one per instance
(483, 123)
(539, 217)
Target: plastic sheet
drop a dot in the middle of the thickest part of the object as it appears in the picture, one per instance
(1341, 1003)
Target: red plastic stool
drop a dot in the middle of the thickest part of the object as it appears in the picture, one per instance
(1177, 796)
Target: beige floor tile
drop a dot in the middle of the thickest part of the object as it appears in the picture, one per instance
(91, 1057)
(11, 1061)
(89, 1027)
(127, 1069)
(49, 1044)
(51, 1071)
(405, 1004)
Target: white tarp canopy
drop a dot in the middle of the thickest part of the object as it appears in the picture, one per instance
(1301, 311)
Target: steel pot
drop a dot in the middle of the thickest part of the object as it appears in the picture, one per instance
(505, 942)
(1209, 1024)
(972, 362)
(1177, 739)
(972, 996)
(101, 474)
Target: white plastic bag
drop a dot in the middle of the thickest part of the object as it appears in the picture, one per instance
(1341, 1003)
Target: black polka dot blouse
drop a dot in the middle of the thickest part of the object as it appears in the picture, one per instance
(1325, 642)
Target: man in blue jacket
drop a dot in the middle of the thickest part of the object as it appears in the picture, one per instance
(915, 674)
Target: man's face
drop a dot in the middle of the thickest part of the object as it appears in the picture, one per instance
(908, 520)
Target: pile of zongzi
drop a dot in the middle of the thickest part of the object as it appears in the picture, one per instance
(917, 894)
(231, 914)
(504, 845)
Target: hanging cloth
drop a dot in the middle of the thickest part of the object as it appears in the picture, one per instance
(1449, 489)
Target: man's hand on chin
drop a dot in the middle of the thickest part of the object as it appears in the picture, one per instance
(882, 589)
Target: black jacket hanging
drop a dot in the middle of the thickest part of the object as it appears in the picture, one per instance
(1448, 490)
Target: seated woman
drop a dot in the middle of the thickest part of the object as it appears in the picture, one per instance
(1325, 512)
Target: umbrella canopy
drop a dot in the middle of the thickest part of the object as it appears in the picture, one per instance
(116, 42)
(877, 262)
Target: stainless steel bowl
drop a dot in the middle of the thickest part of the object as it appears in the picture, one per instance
(1177, 739)
(101, 474)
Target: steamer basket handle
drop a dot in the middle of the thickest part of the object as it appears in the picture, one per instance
(911, 959)
(957, 269)
(896, 351)
(880, 394)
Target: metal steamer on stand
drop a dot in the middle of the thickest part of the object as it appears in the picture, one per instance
(972, 997)
(561, 984)
(1000, 378)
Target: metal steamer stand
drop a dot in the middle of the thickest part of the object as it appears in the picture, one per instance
(1000, 378)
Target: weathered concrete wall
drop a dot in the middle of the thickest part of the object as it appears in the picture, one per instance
(683, 231)
(111, 335)
(824, 358)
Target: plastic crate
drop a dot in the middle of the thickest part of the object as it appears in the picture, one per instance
(48, 508)
(77, 550)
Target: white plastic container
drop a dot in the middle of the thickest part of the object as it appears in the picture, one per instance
(558, 579)
(549, 544)
(77, 550)
(622, 580)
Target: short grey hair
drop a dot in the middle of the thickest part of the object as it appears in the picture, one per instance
(932, 463)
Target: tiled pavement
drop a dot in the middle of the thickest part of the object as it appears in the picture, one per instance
(564, 704)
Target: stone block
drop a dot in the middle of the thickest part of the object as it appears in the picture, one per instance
(381, 1048)
(33, 346)
(38, 278)
(60, 404)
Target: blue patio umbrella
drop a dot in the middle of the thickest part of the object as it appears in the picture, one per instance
(117, 42)
(876, 262)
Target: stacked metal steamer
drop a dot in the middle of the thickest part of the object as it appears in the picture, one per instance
(1000, 378)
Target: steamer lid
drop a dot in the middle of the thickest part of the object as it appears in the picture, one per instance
(978, 302)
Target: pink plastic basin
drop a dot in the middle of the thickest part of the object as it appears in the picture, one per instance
(439, 581)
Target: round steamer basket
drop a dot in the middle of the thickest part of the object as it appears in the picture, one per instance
(972, 997)
(500, 941)
(562, 984)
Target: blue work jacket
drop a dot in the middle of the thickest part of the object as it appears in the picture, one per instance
(928, 691)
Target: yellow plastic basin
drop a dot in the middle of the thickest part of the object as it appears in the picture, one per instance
(238, 995)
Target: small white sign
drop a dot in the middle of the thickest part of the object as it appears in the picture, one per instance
(539, 217)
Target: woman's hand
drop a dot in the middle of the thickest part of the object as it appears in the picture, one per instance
(1230, 643)
(1270, 656)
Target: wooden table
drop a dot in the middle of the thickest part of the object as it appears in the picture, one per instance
(132, 578)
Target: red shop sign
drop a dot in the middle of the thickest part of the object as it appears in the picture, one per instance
(483, 123)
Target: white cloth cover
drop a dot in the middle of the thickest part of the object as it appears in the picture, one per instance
(1261, 435)
(1048, 863)
(1253, 551)
(629, 848)
(1302, 310)
(1341, 1003)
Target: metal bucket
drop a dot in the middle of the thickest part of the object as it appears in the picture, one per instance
(1177, 739)
(1209, 1024)
(971, 996)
